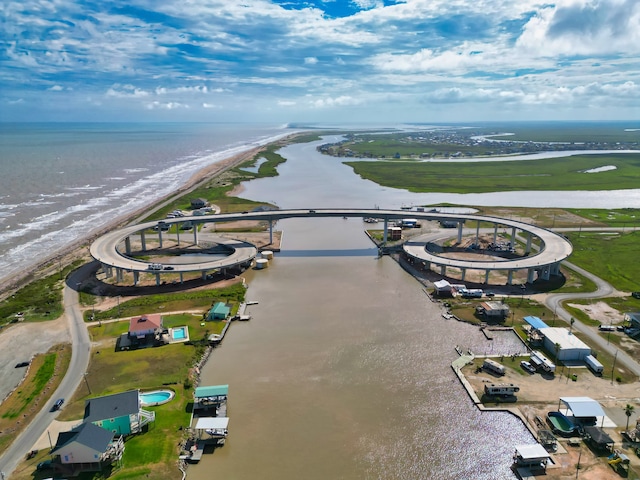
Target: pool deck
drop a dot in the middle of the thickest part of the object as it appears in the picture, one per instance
(179, 340)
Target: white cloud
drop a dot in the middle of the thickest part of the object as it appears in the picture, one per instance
(165, 105)
(56, 88)
(310, 60)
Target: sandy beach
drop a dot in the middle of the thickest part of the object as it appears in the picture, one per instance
(79, 248)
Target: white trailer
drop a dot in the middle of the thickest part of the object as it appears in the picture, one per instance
(595, 366)
(502, 389)
(493, 367)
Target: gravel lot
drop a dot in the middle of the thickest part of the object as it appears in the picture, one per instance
(20, 341)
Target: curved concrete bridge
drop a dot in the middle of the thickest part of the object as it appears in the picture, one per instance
(553, 248)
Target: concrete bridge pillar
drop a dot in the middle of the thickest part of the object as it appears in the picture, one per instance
(495, 233)
(105, 269)
(478, 233)
(143, 240)
(486, 276)
(555, 268)
(527, 250)
(386, 231)
(513, 237)
(204, 275)
(270, 231)
(136, 278)
(443, 270)
(160, 236)
(460, 232)
(127, 245)
(157, 279)
(119, 275)
(464, 273)
(181, 279)
(531, 275)
(546, 272)
(195, 234)
(510, 277)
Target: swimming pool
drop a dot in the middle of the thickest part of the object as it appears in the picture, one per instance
(156, 397)
(179, 333)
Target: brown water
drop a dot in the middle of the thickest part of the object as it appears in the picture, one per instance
(344, 373)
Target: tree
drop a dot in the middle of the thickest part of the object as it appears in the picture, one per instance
(628, 410)
(571, 322)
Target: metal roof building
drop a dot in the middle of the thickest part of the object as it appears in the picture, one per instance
(571, 347)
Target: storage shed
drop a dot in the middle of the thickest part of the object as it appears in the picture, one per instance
(571, 347)
(219, 311)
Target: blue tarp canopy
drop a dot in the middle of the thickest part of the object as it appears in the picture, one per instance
(212, 391)
(535, 322)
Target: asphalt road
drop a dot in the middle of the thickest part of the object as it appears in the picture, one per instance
(79, 362)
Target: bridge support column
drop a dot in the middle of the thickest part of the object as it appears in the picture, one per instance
(143, 240)
(386, 230)
(105, 269)
(157, 279)
(127, 245)
(513, 237)
(270, 232)
(486, 276)
(160, 236)
(555, 270)
(459, 232)
(478, 233)
(510, 277)
(443, 270)
(181, 279)
(204, 275)
(531, 275)
(195, 234)
(178, 235)
(527, 250)
(119, 275)
(464, 273)
(495, 233)
(136, 278)
(546, 272)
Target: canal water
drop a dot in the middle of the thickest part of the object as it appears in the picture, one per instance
(344, 370)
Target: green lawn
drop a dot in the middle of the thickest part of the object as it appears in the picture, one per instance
(470, 177)
(611, 256)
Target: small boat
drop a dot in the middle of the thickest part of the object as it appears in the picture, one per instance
(217, 432)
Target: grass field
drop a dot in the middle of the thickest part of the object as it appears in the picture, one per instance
(559, 174)
(611, 256)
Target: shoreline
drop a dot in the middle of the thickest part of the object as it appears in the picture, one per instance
(79, 248)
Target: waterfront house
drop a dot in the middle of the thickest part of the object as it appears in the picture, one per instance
(119, 413)
(219, 311)
(145, 326)
(87, 447)
(494, 310)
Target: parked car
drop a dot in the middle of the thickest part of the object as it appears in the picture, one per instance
(46, 465)
(527, 366)
(635, 294)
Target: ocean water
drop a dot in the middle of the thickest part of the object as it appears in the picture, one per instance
(60, 182)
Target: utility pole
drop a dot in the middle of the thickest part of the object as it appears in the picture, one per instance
(87, 383)
(613, 369)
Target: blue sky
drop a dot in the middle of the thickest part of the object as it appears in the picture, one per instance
(377, 61)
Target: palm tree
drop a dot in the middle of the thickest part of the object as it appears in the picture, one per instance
(628, 410)
(571, 322)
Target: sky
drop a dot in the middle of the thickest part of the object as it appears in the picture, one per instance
(319, 61)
